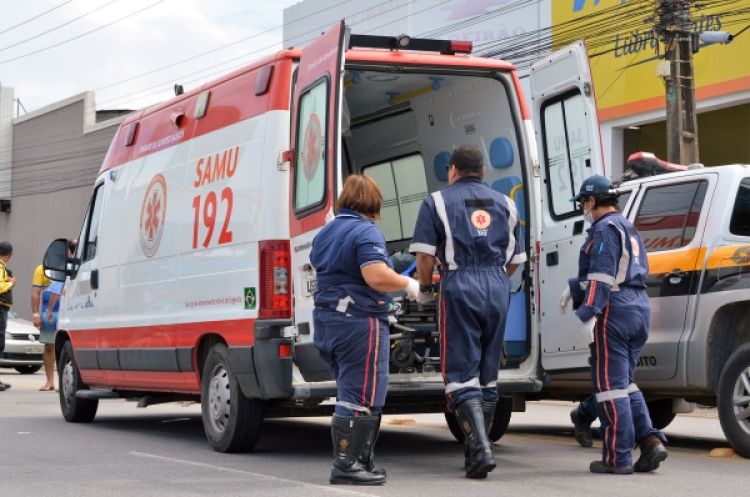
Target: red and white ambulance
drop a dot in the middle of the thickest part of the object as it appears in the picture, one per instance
(192, 276)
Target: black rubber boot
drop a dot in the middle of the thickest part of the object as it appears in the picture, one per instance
(581, 432)
(653, 453)
(369, 426)
(488, 409)
(349, 440)
(602, 467)
(471, 419)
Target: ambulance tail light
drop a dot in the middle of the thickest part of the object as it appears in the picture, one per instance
(275, 287)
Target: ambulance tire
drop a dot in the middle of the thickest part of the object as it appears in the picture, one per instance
(660, 412)
(231, 421)
(732, 400)
(499, 424)
(74, 409)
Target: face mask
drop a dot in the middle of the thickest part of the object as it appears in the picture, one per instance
(588, 217)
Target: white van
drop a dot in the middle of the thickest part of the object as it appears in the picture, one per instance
(192, 276)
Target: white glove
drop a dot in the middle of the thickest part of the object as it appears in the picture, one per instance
(425, 298)
(412, 288)
(565, 299)
(587, 329)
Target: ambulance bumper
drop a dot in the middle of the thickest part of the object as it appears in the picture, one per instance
(261, 373)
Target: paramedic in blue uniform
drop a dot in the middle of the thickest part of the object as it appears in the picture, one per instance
(609, 297)
(351, 312)
(474, 233)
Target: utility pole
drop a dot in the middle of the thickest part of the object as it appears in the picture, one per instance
(682, 124)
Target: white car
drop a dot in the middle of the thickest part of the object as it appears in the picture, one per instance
(23, 350)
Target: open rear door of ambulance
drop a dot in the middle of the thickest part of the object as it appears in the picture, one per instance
(570, 151)
(315, 175)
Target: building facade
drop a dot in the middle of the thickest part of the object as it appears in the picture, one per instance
(55, 154)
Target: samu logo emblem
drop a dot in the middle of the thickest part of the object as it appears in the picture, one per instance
(153, 215)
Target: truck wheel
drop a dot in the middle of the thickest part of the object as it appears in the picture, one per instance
(733, 400)
(660, 412)
(74, 409)
(499, 423)
(27, 369)
(231, 421)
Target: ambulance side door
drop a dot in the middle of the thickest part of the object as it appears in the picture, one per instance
(82, 289)
(569, 144)
(315, 178)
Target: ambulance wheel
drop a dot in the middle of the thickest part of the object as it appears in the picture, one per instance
(499, 423)
(231, 421)
(74, 409)
(660, 412)
(733, 400)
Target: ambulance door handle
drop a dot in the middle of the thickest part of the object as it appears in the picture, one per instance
(553, 258)
(94, 279)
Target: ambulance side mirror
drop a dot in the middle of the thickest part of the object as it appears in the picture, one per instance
(56, 260)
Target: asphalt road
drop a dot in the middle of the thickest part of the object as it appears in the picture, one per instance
(161, 451)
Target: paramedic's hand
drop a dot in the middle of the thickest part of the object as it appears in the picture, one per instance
(565, 299)
(425, 298)
(587, 329)
(412, 288)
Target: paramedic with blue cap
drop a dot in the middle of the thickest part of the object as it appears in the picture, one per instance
(474, 232)
(351, 325)
(609, 297)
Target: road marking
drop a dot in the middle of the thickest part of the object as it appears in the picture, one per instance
(260, 476)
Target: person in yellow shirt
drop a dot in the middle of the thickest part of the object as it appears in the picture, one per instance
(39, 304)
(7, 282)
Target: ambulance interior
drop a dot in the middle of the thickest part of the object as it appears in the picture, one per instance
(399, 128)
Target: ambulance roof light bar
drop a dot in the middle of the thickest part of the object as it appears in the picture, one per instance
(405, 42)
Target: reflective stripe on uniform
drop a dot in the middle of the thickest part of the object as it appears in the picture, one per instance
(353, 407)
(512, 220)
(452, 387)
(616, 394)
(422, 247)
(450, 254)
(602, 277)
(624, 263)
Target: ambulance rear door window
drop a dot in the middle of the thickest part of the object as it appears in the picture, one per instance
(310, 157)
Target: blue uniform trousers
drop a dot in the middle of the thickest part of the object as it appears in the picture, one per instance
(621, 331)
(474, 304)
(356, 350)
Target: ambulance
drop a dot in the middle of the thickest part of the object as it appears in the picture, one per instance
(192, 278)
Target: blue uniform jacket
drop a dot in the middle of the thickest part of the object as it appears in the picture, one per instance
(612, 256)
(339, 252)
(468, 224)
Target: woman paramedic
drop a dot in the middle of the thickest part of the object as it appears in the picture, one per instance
(351, 312)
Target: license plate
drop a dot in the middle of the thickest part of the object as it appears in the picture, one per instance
(35, 349)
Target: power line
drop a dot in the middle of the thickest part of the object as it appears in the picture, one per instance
(82, 34)
(58, 26)
(35, 17)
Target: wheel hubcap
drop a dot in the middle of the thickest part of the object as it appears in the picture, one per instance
(741, 400)
(68, 383)
(219, 399)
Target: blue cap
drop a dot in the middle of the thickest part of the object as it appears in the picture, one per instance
(593, 186)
